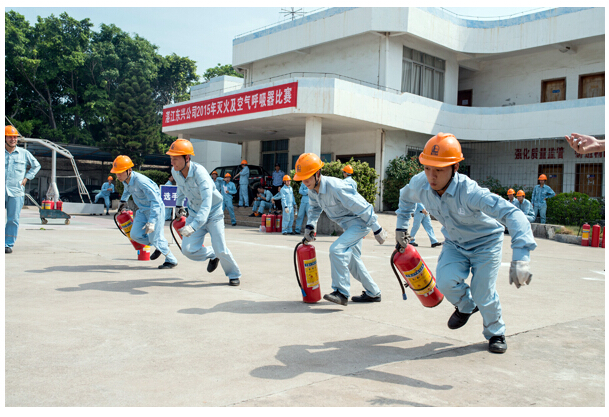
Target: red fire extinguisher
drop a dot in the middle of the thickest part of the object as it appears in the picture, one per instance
(177, 224)
(603, 241)
(124, 222)
(596, 234)
(278, 220)
(305, 266)
(263, 223)
(59, 205)
(585, 234)
(413, 269)
(270, 223)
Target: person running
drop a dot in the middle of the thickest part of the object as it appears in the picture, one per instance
(472, 221)
(422, 216)
(206, 214)
(106, 189)
(149, 220)
(343, 205)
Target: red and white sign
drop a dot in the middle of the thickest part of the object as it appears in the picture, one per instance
(271, 98)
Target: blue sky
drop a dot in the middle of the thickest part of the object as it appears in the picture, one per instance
(204, 34)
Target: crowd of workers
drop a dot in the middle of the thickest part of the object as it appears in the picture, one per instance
(473, 220)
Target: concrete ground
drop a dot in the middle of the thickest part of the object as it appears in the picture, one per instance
(89, 325)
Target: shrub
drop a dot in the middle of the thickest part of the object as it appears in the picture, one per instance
(574, 209)
(495, 186)
(399, 173)
(364, 175)
(159, 177)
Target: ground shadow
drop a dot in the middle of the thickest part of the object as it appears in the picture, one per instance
(110, 269)
(133, 286)
(261, 307)
(348, 357)
(382, 401)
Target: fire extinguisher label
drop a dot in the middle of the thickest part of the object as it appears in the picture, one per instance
(420, 280)
(310, 266)
(268, 222)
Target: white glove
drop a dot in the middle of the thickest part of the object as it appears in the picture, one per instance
(186, 231)
(287, 210)
(309, 234)
(380, 236)
(402, 238)
(148, 228)
(520, 273)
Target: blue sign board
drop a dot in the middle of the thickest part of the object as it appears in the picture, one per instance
(169, 194)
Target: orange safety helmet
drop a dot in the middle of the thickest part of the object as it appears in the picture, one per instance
(244, 162)
(520, 193)
(441, 151)
(348, 169)
(10, 131)
(110, 179)
(511, 191)
(542, 177)
(121, 164)
(227, 175)
(214, 172)
(286, 178)
(181, 147)
(307, 165)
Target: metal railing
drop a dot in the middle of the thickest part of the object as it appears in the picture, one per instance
(281, 22)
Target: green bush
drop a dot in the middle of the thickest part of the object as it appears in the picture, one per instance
(574, 209)
(159, 177)
(399, 173)
(364, 175)
(495, 186)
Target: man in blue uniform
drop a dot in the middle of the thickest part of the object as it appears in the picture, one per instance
(525, 205)
(227, 192)
(422, 216)
(472, 221)
(304, 207)
(541, 193)
(288, 204)
(244, 183)
(347, 175)
(106, 190)
(206, 214)
(16, 161)
(149, 222)
(343, 205)
(262, 202)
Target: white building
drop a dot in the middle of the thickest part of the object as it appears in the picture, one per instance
(377, 83)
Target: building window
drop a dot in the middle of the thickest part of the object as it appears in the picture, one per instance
(423, 74)
(554, 172)
(592, 85)
(275, 152)
(553, 90)
(589, 179)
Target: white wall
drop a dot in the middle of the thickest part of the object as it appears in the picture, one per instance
(214, 154)
(518, 79)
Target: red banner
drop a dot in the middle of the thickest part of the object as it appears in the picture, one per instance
(271, 98)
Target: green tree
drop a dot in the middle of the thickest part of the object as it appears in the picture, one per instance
(399, 173)
(219, 70)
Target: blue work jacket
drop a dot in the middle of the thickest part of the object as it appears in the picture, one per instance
(526, 207)
(199, 188)
(15, 165)
(231, 189)
(304, 192)
(342, 204)
(540, 194)
(471, 216)
(349, 180)
(146, 194)
(286, 195)
(267, 196)
(278, 178)
(106, 189)
(244, 176)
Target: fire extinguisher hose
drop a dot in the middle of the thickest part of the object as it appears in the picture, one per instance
(304, 294)
(116, 223)
(172, 235)
(397, 275)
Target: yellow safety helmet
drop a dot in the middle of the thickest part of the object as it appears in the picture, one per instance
(181, 147)
(307, 165)
(121, 164)
(441, 151)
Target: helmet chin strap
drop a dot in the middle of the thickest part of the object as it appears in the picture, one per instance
(450, 180)
(317, 181)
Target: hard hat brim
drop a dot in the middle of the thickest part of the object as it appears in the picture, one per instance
(438, 162)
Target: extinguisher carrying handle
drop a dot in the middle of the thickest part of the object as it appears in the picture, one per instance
(304, 242)
(172, 235)
(116, 223)
(397, 275)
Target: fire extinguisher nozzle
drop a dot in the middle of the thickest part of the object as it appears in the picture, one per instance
(404, 297)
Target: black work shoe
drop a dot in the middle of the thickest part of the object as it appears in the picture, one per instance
(252, 215)
(234, 224)
(234, 282)
(433, 245)
(413, 244)
(365, 298)
(459, 319)
(497, 344)
(336, 297)
(167, 265)
(155, 255)
(213, 264)
(8, 250)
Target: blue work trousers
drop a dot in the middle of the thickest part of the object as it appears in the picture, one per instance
(287, 220)
(260, 206)
(106, 200)
(244, 199)
(345, 258)
(302, 211)
(168, 213)
(540, 210)
(192, 246)
(454, 265)
(416, 223)
(13, 207)
(156, 238)
(229, 206)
